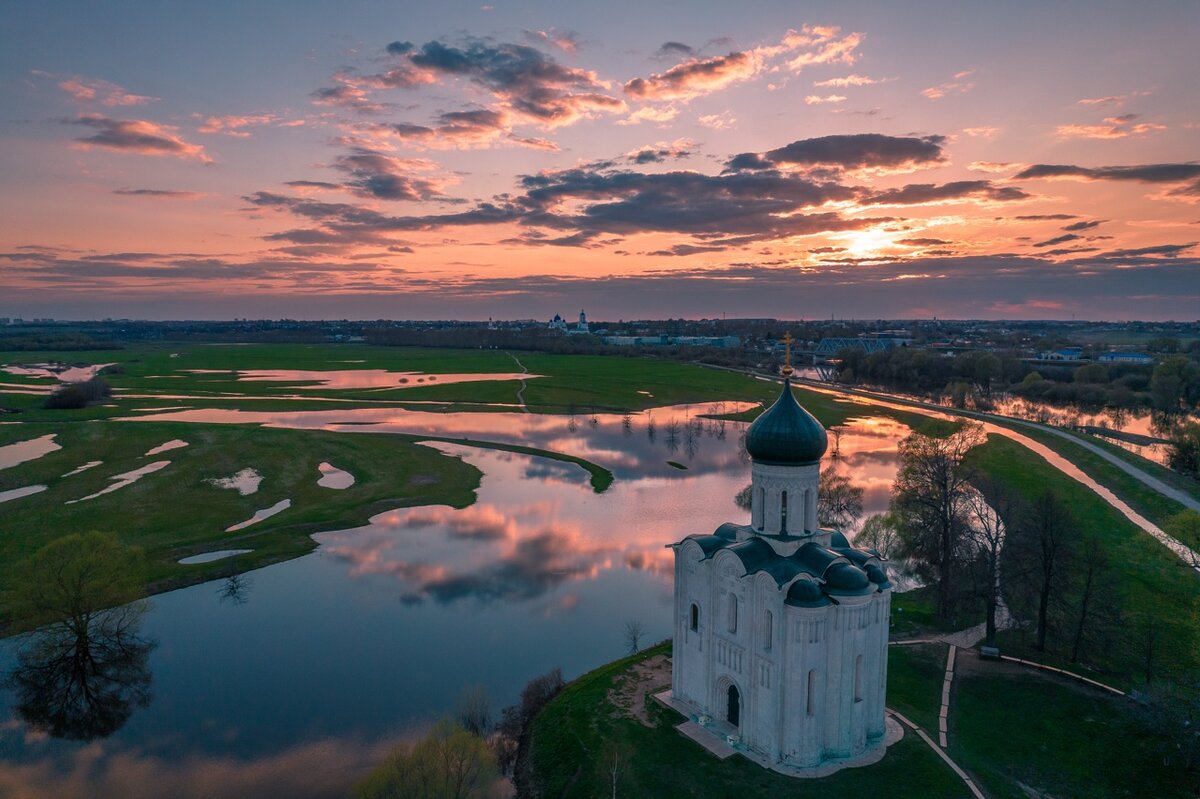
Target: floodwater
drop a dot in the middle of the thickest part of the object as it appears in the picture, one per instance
(333, 477)
(209, 557)
(356, 378)
(58, 371)
(245, 481)
(24, 491)
(28, 450)
(125, 479)
(293, 680)
(83, 468)
(259, 515)
(174, 443)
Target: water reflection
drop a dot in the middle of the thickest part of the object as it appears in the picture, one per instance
(83, 684)
(356, 378)
(376, 633)
(630, 444)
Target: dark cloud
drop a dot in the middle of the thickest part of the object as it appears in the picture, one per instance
(530, 82)
(727, 210)
(1045, 217)
(462, 129)
(312, 184)
(1145, 173)
(849, 152)
(921, 193)
(136, 136)
(1058, 240)
(659, 153)
(922, 242)
(1086, 225)
(376, 175)
(669, 49)
(165, 194)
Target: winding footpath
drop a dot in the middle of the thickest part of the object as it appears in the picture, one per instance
(521, 391)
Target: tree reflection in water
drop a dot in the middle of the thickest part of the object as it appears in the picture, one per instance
(235, 589)
(83, 683)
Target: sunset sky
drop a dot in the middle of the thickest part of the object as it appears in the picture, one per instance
(458, 160)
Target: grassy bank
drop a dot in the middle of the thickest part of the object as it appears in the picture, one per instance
(1149, 580)
(1023, 734)
(571, 735)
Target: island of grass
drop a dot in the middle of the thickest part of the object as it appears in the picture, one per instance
(592, 721)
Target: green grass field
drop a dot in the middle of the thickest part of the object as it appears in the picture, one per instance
(1023, 734)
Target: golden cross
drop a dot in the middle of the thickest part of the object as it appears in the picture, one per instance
(787, 353)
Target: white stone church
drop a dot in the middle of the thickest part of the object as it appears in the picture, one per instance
(781, 628)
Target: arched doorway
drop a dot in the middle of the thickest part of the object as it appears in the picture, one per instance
(733, 709)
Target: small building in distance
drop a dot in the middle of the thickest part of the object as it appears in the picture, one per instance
(1140, 358)
(781, 627)
(1064, 354)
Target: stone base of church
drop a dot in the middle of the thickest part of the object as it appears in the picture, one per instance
(715, 739)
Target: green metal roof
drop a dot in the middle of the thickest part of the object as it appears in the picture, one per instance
(786, 434)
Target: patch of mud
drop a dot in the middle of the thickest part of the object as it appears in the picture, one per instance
(628, 695)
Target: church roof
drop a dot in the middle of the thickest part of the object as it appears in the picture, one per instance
(824, 572)
(786, 434)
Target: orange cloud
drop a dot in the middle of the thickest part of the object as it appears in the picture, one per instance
(89, 90)
(233, 125)
(957, 86)
(1118, 127)
(137, 136)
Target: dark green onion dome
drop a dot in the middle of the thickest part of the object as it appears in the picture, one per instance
(786, 434)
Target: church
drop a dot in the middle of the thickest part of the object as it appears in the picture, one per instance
(781, 627)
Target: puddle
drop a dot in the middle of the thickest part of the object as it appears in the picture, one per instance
(83, 468)
(22, 451)
(333, 477)
(246, 482)
(265, 513)
(174, 443)
(17, 493)
(127, 478)
(58, 371)
(356, 378)
(209, 557)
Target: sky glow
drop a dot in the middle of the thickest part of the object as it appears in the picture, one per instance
(453, 160)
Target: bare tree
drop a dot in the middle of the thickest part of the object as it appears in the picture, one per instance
(988, 506)
(929, 502)
(633, 635)
(1091, 610)
(475, 710)
(1042, 540)
(839, 502)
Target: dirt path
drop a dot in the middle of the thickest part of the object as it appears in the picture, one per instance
(521, 390)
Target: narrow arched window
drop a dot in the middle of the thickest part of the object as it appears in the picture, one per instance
(733, 613)
(695, 617)
(783, 512)
(768, 629)
(858, 678)
(812, 692)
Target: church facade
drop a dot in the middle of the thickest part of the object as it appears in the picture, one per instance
(781, 628)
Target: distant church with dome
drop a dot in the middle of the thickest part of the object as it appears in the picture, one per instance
(781, 627)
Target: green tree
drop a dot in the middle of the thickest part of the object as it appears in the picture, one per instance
(879, 533)
(1174, 382)
(81, 675)
(73, 578)
(448, 763)
(1183, 449)
(929, 501)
